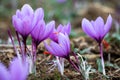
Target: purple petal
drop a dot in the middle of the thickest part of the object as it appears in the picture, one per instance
(67, 28)
(18, 70)
(38, 31)
(27, 10)
(26, 24)
(60, 27)
(48, 30)
(17, 23)
(99, 27)
(107, 25)
(38, 15)
(58, 50)
(4, 74)
(88, 28)
(18, 14)
(49, 48)
(64, 42)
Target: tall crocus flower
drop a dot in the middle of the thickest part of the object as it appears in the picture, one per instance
(97, 30)
(17, 70)
(22, 20)
(40, 33)
(61, 28)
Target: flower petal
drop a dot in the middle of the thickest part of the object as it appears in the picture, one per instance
(38, 15)
(26, 24)
(17, 23)
(4, 74)
(48, 30)
(27, 10)
(64, 42)
(18, 70)
(99, 27)
(38, 31)
(58, 50)
(49, 48)
(107, 25)
(60, 27)
(88, 28)
(67, 28)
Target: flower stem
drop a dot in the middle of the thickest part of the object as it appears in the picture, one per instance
(74, 65)
(24, 49)
(34, 52)
(102, 59)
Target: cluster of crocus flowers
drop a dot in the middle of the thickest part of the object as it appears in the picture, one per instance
(97, 30)
(29, 22)
(17, 70)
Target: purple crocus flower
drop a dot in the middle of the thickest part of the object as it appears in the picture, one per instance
(61, 28)
(60, 49)
(22, 20)
(97, 29)
(17, 70)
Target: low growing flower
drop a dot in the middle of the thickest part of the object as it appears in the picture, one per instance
(60, 49)
(97, 30)
(16, 71)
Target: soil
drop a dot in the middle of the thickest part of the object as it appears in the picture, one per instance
(111, 54)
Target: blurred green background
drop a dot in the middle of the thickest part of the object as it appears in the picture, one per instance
(62, 11)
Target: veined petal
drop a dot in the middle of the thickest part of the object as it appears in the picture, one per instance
(65, 42)
(18, 14)
(99, 27)
(49, 48)
(88, 28)
(60, 27)
(4, 74)
(58, 50)
(48, 30)
(17, 23)
(27, 10)
(107, 25)
(18, 70)
(26, 24)
(38, 31)
(38, 15)
(67, 28)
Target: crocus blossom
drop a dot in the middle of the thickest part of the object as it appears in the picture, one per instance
(60, 49)
(17, 70)
(42, 31)
(61, 28)
(22, 20)
(97, 29)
